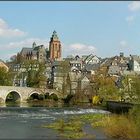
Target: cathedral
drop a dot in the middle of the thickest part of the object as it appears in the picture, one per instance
(40, 53)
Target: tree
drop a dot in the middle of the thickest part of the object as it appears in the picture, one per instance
(106, 87)
(31, 78)
(37, 78)
(5, 77)
(41, 77)
(136, 88)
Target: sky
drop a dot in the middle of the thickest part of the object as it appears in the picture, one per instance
(103, 28)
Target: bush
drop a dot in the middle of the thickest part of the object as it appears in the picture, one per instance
(120, 127)
(134, 114)
(96, 100)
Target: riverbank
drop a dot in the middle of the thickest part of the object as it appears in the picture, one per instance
(79, 127)
(110, 126)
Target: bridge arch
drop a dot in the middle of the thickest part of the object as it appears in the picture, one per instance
(35, 95)
(13, 95)
(53, 96)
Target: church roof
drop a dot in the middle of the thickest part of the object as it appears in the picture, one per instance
(24, 51)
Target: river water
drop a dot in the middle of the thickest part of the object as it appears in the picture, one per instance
(26, 122)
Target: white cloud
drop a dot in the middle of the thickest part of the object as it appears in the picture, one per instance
(6, 31)
(26, 43)
(80, 49)
(130, 19)
(134, 6)
(123, 43)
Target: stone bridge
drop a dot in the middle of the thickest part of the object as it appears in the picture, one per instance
(24, 93)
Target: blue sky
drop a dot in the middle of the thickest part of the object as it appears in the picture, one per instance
(102, 28)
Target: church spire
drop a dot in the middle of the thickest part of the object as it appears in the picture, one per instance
(55, 47)
(33, 45)
(54, 36)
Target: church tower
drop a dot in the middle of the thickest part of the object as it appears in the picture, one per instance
(54, 47)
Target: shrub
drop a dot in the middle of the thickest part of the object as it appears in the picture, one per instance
(120, 127)
(134, 114)
(96, 100)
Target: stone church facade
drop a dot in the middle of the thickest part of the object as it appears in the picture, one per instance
(42, 54)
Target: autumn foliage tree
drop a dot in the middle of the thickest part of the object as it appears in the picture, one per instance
(105, 85)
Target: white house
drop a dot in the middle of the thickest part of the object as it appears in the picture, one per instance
(92, 59)
(134, 63)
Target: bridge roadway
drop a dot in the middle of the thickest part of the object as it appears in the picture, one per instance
(25, 92)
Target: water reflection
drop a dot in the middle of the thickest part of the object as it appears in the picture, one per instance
(38, 103)
(34, 104)
(12, 104)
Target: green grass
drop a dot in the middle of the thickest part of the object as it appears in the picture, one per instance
(72, 128)
(72, 135)
(92, 117)
(69, 129)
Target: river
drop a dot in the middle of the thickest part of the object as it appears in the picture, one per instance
(25, 122)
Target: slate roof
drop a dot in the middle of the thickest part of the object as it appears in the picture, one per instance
(123, 65)
(34, 51)
(114, 69)
(37, 47)
(26, 50)
(108, 61)
(89, 57)
(84, 57)
(89, 67)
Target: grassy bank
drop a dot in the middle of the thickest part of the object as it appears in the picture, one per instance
(73, 127)
(114, 126)
(125, 126)
(120, 127)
